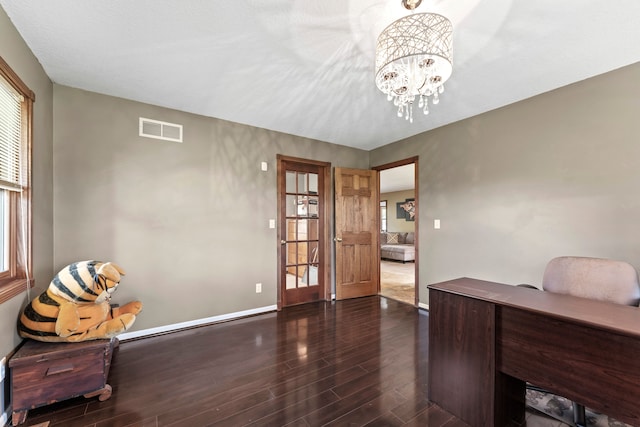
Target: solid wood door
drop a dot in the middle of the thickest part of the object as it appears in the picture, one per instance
(357, 233)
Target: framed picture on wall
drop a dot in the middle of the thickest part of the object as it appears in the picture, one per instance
(408, 210)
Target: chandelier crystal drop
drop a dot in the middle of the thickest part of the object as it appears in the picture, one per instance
(414, 57)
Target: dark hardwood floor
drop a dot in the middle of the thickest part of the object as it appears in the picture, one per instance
(348, 363)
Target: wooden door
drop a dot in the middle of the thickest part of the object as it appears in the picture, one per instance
(302, 200)
(357, 233)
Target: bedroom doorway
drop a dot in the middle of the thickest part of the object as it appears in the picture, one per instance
(399, 230)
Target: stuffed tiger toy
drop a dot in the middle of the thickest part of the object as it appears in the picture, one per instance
(76, 306)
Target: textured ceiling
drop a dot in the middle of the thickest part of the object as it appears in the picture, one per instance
(397, 179)
(306, 67)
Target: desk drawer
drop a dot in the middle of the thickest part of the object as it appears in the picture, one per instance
(48, 380)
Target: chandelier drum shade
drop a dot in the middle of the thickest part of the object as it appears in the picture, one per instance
(414, 57)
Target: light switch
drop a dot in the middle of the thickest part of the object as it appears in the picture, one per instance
(264, 166)
(436, 224)
(272, 223)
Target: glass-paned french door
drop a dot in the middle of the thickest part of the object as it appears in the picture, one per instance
(302, 217)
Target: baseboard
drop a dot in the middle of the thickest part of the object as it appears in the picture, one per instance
(206, 321)
(194, 323)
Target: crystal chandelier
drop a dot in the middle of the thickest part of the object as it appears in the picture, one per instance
(414, 59)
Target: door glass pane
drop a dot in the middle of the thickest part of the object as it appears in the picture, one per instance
(313, 229)
(302, 183)
(292, 277)
(303, 281)
(302, 253)
(303, 229)
(313, 206)
(292, 205)
(313, 252)
(292, 256)
(303, 206)
(313, 183)
(313, 274)
(290, 182)
(310, 276)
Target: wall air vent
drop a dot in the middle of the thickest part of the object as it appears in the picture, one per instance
(160, 130)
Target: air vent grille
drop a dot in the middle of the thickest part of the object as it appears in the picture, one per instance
(160, 130)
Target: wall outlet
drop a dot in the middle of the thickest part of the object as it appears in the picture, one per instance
(258, 288)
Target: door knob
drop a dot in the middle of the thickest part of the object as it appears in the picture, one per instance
(337, 239)
(283, 242)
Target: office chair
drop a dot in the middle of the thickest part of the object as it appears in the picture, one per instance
(594, 278)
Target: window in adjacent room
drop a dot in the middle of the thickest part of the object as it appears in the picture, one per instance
(16, 106)
(383, 216)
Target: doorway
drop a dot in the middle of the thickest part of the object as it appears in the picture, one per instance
(399, 230)
(302, 218)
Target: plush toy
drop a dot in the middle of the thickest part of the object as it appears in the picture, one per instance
(76, 306)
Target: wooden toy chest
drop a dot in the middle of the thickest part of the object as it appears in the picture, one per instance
(45, 373)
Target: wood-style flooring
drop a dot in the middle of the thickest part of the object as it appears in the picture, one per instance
(359, 362)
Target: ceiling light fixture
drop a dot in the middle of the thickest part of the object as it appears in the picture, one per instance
(414, 59)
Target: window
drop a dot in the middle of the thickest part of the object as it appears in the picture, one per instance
(16, 107)
(383, 216)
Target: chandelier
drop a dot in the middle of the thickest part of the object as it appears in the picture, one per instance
(414, 59)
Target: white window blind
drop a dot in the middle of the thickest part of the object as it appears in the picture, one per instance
(10, 136)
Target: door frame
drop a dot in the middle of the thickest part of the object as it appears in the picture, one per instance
(325, 225)
(408, 161)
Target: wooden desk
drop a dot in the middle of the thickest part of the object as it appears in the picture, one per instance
(486, 339)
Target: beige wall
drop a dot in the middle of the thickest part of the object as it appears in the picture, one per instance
(393, 223)
(557, 174)
(19, 57)
(188, 222)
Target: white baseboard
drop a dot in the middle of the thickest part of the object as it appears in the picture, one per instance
(199, 322)
(193, 323)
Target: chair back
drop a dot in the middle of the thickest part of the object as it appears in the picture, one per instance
(595, 278)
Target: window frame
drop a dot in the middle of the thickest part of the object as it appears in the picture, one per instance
(15, 279)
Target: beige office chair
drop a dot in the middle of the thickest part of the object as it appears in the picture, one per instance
(594, 278)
